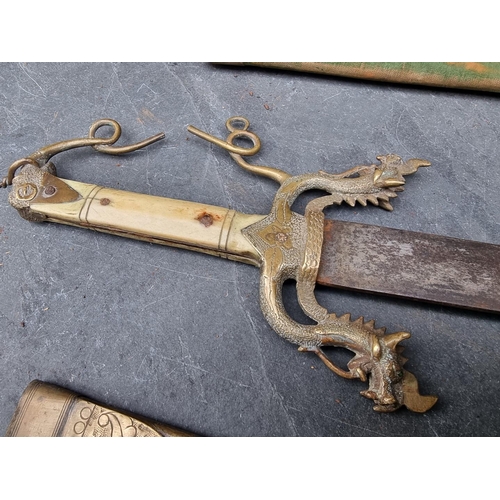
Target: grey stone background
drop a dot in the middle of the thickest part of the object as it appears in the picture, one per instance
(179, 336)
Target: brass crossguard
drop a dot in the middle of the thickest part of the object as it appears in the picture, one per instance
(290, 245)
(284, 244)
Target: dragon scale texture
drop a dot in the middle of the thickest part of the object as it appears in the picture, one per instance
(290, 246)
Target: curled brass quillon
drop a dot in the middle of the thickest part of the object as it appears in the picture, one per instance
(102, 144)
(235, 132)
(236, 152)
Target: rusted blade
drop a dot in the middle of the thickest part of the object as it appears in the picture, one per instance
(411, 265)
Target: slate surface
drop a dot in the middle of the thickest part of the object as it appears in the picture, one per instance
(179, 336)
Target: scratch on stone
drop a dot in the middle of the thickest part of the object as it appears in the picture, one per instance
(13, 323)
(442, 328)
(98, 250)
(343, 422)
(198, 368)
(27, 91)
(149, 88)
(478, 150)
(332, 96)
(210, 149)
(136, 378)
(155, 266)
(32, 79)
(110, 91)
(396, 132)
(253, 330)
(427, 418)
(465, 427)
(197, 382)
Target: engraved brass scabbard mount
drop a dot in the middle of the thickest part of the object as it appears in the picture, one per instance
(290, 245)
(46, 410)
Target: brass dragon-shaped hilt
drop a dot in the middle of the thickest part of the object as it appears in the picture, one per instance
(290, 244)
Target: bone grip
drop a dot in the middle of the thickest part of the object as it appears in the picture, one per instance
(195, 226)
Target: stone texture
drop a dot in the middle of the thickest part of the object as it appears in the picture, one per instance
(178, 336)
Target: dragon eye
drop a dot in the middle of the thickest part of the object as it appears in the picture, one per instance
(376, 348)
(395, 372)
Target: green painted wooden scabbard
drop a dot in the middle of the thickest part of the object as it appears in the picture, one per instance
(483, 76)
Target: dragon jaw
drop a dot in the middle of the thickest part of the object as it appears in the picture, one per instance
(390, 386)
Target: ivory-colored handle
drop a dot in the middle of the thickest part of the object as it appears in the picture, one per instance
(195, 226)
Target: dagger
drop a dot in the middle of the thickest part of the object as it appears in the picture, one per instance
(286, 245)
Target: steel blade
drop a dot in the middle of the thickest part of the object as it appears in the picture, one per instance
(411, 265)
